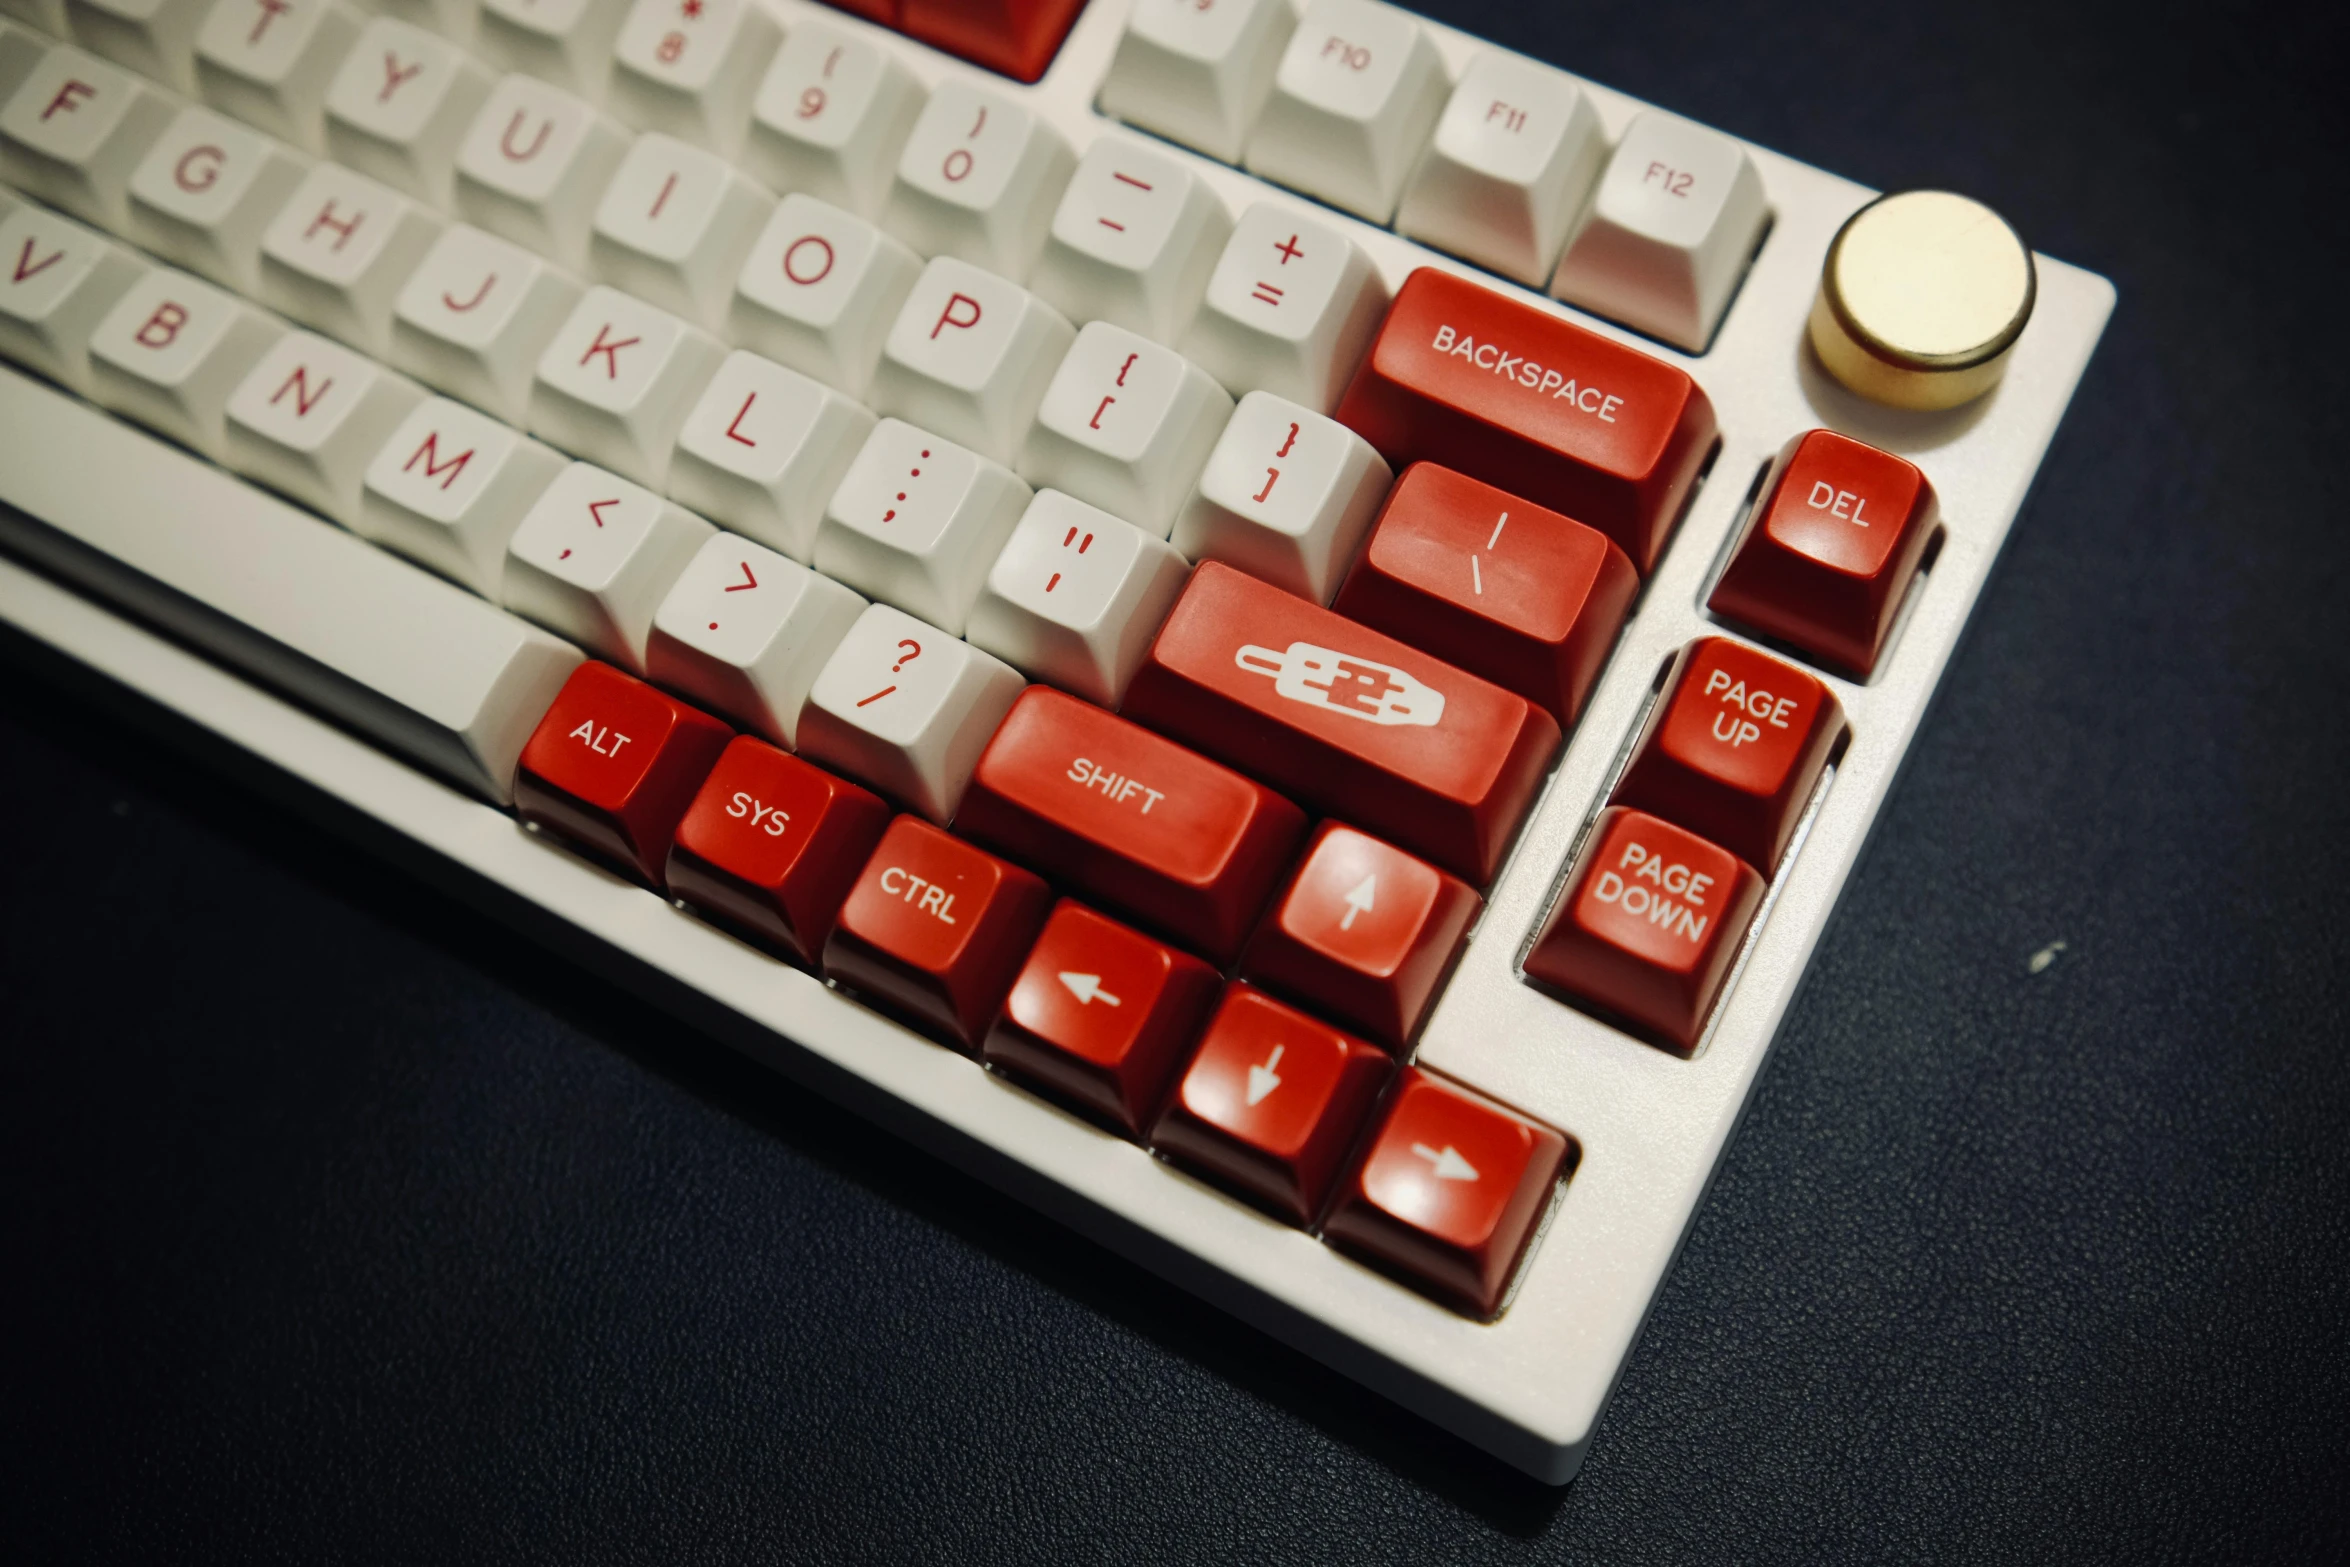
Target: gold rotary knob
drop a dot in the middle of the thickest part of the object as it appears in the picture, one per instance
(1922, 298)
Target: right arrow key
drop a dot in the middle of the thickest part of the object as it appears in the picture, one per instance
(1449, 1192)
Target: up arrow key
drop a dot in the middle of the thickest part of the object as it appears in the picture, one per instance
(1449, 1164)
(1087, 988)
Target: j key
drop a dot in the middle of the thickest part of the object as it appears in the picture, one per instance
(1734, 749)
(1015, 37)
(594, 559)
(57, 282)
(617, 379)
(1648, 928)
(1270, 1104)
(1075, 598)
(1449, 1193)
(567, 42)
(1125, 425)
(309, 418)
(1525, 597)
(1286, 495)
(1288, 309)
(1345, 720)
(613, 766)
(819, 291)
(1830, 552)
(771, 845)
(73, 131)
(979, 180)
(338, 251)
(831, 118)
(1133, 241)
(763, 448)
(449, 489)
(906, 708)
(532, 166)
(171, 351)
(1101, 1017)
(475, 316)
(691, 68)
(1198, 74)
(156, 38)
(1536, 405)
(1678, 215)
(1139, 823)
(1515, 154)
(746, 631)
(1358, 91)
(970, 357)
(1364, 933)
(400, 105)
(917, 522)
(204, 193)
(268, 62)
(934, 931)
(674, 226)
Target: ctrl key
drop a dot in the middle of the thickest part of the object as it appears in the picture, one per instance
(1449, 1192)
(1649, 927)
(934, 931)
(612, 767)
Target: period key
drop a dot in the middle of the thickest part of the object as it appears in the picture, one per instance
(613, 766)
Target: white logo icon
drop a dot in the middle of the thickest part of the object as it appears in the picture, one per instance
(1345, 684)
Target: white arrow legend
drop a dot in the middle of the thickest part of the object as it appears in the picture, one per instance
(1087, 988)
(1450, 1166)
(1262, 1080)
(1358, 901)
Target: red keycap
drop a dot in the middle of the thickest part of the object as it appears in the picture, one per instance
(1733, 749)
(1133, 820)
(1503, 588)
(1648, 927)
(933, 930)
(770, 846)
(1523, 399)
(1101, 1016)
(1017, 37)
(1449, 1192)
(613, 765)
(1828, 556)
(1270, 1103)
(1363, 932)
(1345, 720)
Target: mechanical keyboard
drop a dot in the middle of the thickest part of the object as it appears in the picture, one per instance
(1271, 627)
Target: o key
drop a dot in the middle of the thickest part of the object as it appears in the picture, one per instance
(613, 765)
(1648, 927)
(1533, 403)
(1101, 1016)
(934, 930)
(1160, 832)
(1271, 1103)
(1449, 1193)
(1363, 932)
(1733, 749)
(1506, 589)
(771, 845)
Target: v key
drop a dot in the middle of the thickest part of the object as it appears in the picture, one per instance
(27, 267)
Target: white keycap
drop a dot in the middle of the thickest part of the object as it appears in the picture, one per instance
(906, 708)
(455, 20)
(1125, 425)
(46, 15)
(205, 192)
(170, 353)
(268, 63)
(764, 449)
(400, 105)
(692, 67)
(567, 42)
(449, 489)
(745, 632)
(979, 179)
(1358, 91)
(618, 379)
(1677, 217)
(310, 417)
(72, 132)
(1076, 597)
(674, 226)
(595, 557)
(831, 117)
(425, 669)
(1289, 309)
(1198, 74)
(970, 356)
(1515, 154)
(474, 317)
(533, 165)
(1133, 241)
(337, 252)
(57, 281)
(1287, 496)
(820, 290)
(155, 38)
(917, 522)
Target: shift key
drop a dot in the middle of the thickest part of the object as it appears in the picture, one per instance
(1344, 720)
